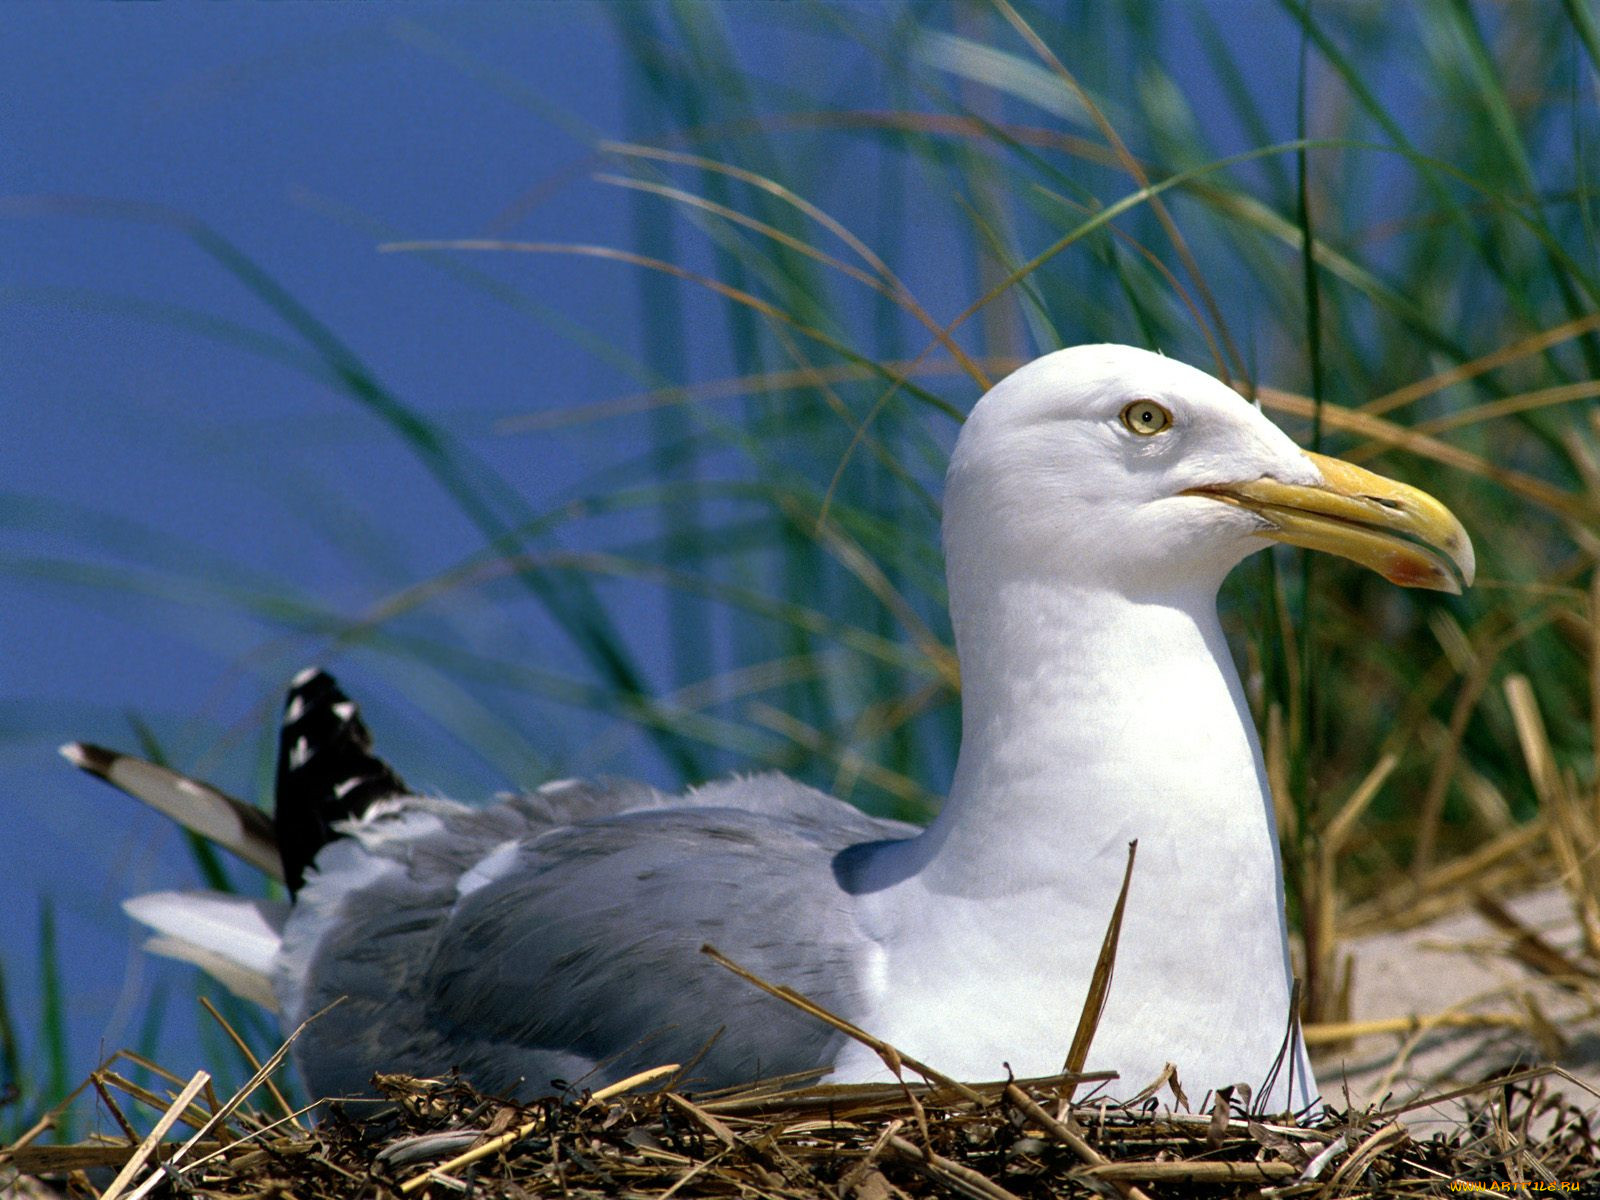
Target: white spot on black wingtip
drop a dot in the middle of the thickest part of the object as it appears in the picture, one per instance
(299, 754)
(305, 677)
(344, 710)
(296, 708)
(96, 760)
(341, 790)
(78, 755)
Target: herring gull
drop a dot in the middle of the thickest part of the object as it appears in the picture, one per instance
(1095, 500)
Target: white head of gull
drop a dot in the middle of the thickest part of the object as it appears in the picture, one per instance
(1096, 499)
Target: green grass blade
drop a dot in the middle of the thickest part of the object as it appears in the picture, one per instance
(53, 1019)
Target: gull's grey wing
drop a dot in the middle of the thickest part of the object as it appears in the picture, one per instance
(198, 807)
(522, 950)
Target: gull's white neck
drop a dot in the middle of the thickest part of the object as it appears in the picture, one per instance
(1090, 719)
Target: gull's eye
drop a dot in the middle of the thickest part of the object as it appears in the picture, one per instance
(1146, 417)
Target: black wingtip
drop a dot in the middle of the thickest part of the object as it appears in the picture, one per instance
(327, 772)
(86, 756)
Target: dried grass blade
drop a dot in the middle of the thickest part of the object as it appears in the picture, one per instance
(1191, 1172)
(851, 763)
(1471, 1089)
(1389, 435)
(52, 1117)
(1444, 769)
(718, 1129)
(496, 1144)
(733, 215)
(1522, 348)
(612, 1090)
(1576, 847)
(1338, 831)
(23, 1142)
(1276, 753)
(1065, 1135)
(1100, 982)
(731, 388)
(1594, 688)
(952, 1174)
(1565, 393)
(1331, 1032)
(726, 291)
(1470, 867)
(254, 1135)
(901, 292)
(146, 1096)
(1529, 947)
(864, 1181)
(1391, 1135)
(1323, 943)
(255, 1065)
(859, 563)
(691, 1174)
(59, 1160)
(885, 283)
(891, 1056)
(147, 1147)
(1535, 741)
(115, 1109)
(220, 1115)
(1227, 363)
(1327, 1154)
(766, 184)
(141, 1061)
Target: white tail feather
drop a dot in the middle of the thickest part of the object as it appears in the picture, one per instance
(234, 939)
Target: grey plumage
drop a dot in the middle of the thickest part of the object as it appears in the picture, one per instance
(552, 936)
(579, 958)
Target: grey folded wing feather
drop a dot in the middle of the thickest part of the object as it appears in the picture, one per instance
(198, 807)
(558, 935)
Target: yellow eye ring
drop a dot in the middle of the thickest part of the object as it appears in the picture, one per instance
(1146, 418)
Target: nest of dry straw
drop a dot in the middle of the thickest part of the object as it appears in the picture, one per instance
(642, 1138)
(649, 1137)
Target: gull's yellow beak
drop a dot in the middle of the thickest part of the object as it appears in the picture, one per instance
(1400, 532)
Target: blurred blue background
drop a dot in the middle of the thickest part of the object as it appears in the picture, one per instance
(297, 134)
(303, 136)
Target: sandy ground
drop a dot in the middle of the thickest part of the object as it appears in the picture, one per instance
(1459, 963)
